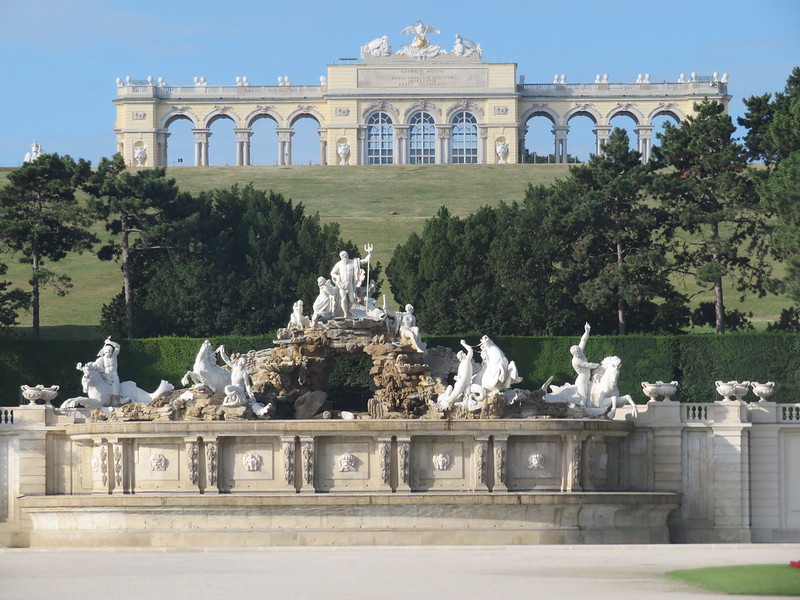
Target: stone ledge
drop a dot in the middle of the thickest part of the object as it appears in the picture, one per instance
(349, 519)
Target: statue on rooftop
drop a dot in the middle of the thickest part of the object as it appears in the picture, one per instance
(36, 152)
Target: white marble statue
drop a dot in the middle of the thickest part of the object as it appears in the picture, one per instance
(298, 320)
(99, 393)
(206, 371)
(100, 383)
(460, 390)
(239, 392)
(343, 150)
(325, 303)
(377, 47)
(497, 373)
(595, 392)
(406, 329)
(140, 155)
(36, 152)
(502, 151)
(466, 47)
(347, 275)
(106, 364)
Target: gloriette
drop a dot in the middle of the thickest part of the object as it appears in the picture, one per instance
(425, 102)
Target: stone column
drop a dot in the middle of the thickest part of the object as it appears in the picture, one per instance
(201, 147)
(481, 464)
(118, 468)
(323, 146)
(284, 145)
(602, 133)
(212, 463)
(643, 133)
(243, 146)
(162, 159)
(403, 464)
(572, 451)
(384, 459)
(483, 135)
(443, 137)
(192, 463)
(306, 465)
(361, 145)
(401, 144)
(289, 462)
(560, 132)
(500, 467)
(522, 131)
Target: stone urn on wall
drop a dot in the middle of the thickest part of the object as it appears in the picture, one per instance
(763, 390)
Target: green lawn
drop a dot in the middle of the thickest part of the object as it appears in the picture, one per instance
(359, 198)
(755, 580)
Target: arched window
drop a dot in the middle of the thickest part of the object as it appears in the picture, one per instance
(421, 139)
(464, 138)
(380, 139)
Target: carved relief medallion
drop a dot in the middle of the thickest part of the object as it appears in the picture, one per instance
(252, 462)
(158, 462)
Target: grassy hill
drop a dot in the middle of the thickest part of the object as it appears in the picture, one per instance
(359, 198)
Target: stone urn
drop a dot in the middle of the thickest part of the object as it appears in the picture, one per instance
(740, 389)
(763, 390)
(667, 390)
(39, 392)
(725, 389)
(651, 390)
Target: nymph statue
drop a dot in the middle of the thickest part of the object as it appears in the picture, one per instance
(325, 303)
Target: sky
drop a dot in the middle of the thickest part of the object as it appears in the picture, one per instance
(59, 59)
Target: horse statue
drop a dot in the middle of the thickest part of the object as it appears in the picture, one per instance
(604, 397)
(99, 392)
(206, 371)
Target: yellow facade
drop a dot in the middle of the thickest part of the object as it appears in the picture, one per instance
(396, 110)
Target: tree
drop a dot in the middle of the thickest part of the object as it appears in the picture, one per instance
(43, 219)
(712, 210)
(11, 302)
(611, 242)
(234, 263)
(132, 204)
(773, 124)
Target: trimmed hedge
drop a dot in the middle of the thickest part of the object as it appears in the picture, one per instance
(695, 361)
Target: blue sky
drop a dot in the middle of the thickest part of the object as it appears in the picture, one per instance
(59, 59)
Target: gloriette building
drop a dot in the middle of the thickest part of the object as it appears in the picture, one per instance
(421, 103)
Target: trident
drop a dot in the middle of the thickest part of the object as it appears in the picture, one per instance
(368, 248)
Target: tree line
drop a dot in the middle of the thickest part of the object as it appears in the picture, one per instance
(614, 243)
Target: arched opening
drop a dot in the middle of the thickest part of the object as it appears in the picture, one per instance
(421, 139)
(305, 141)
(539, 144)
(658, 126)
(380, 139)
(464, 138)
(628, 122)
(222, 141)
(180, 142)
(264, 141)
(582, 141)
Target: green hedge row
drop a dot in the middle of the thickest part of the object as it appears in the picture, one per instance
(695, 361)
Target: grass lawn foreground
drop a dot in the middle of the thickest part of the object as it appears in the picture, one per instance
(740, 580)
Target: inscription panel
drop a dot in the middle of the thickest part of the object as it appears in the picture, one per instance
(414, 78)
